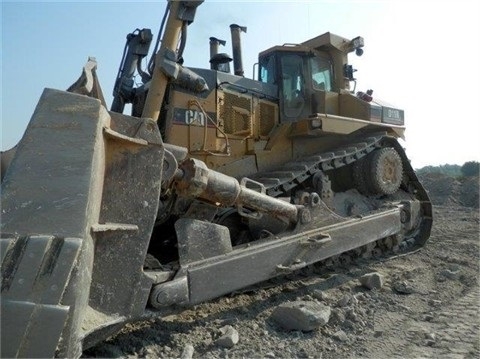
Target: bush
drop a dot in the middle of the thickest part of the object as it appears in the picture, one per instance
(448, 170)
(470, 169)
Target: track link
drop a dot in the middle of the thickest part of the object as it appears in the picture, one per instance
(293, 173)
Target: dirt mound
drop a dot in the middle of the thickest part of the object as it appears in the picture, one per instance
(448, 190)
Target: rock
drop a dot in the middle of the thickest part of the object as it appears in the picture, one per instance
(454, 267)
(434, 302)
(228, 321)
(430, 339)
(353, 300)
(302, 353)
(352, 315)
(149, 351)
(343, 302)
(244, 310)
(450, 274)
(441, 278)
(306, 298)
(340, 335)
(403, 287)
(207, 342)
(372, 280)
(320, 295)
(406, 308)
(187, 352)
(301, 315)
(360, 297)
(229, 337)
(428, 317)
(348, 324)
(338, 316)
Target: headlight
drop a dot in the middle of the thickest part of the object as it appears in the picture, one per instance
(357, 42)
(316, 123)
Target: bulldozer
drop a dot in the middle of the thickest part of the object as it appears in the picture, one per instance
(213, 183)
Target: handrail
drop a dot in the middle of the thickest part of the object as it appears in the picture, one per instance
(204, 149)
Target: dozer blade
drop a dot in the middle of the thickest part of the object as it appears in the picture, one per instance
(36, 274)
(80, 176)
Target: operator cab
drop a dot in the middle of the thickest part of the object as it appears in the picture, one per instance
(302, 77)
(310, 76)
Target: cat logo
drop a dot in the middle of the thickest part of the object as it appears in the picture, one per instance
(194, 118)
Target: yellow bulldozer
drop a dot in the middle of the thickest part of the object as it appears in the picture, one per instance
(213, 183)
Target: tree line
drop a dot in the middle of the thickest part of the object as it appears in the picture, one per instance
(468, 169)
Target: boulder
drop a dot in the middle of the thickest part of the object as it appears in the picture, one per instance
(228, 338)
(372, 280)
(301, 315)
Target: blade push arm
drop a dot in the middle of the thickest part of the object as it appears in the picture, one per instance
(181, 14)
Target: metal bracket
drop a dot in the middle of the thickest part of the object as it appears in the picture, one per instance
(259, 187)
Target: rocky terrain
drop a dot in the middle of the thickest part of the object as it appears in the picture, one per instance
(423, 304)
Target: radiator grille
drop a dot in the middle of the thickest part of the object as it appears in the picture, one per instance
(265, 117)
(236, 113)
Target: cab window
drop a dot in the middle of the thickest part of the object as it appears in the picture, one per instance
(321, 74)
(267, 70)
(292, 76)
(292, 85)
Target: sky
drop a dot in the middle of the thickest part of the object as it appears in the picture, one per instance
(422, 56)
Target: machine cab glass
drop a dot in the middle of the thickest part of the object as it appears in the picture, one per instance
(321, 74)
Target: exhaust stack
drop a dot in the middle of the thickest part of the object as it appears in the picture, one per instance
(219, 62)
(214, 45)
(237, 48)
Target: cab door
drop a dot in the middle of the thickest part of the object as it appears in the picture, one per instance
(294, 101)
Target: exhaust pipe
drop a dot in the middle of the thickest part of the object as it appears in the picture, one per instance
(214, 45)
(237, 48)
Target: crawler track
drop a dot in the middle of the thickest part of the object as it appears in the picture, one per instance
(294, 173)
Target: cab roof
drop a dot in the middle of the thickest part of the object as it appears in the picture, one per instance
(324, 41)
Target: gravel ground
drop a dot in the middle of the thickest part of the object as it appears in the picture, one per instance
(427, 306)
